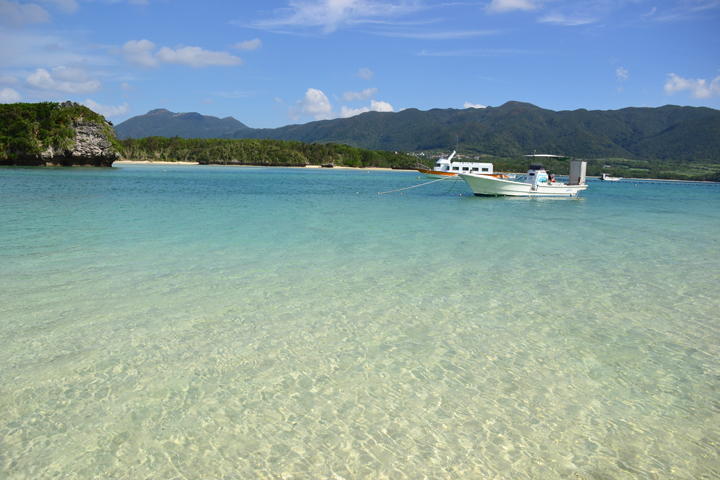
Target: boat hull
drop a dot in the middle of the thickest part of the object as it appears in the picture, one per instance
(439, 174)
(484, 185)
(436, 174)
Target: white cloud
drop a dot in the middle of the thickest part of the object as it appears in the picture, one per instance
(126, 86)
(332, 14)
(559, 19)
(197, 57)
(8, 95)
(364, 95)
(138, 53)
(473, 105)
(680, 11)
(315, 104)
(366, 73)
(108, 111)
(622, 74)
(698, 88)
(346, 112)
(62, 80)
(27, 49)
(17, 14)
(438, 35)
(381, 106)
(208, 101)
(502, 6)
(248, 45)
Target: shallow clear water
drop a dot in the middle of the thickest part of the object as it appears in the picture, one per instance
(190, 322)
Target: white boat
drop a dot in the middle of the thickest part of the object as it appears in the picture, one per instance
(537, 183)
(607, 178)
(445, 168)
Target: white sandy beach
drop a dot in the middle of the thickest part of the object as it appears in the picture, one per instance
(152, 162)
(149, 162)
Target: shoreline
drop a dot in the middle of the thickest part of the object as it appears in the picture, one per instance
(341, 167)
(380, 169)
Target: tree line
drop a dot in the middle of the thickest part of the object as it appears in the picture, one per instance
(221, 151)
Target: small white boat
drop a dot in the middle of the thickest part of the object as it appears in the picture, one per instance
(537, 183)
(607, 178)
(445, 168)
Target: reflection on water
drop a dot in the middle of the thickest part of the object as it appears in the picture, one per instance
(274, 323)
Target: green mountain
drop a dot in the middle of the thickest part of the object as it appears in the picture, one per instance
(664, 133)
(670, 132)
(164, 123)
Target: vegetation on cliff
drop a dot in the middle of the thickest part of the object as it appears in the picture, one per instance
(259, 152)
(30, 128)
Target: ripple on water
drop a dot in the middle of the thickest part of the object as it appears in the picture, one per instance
(201, 324)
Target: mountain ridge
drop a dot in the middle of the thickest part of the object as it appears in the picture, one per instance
(669, 132)
(161, 122)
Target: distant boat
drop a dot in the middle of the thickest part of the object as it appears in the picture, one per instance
(607, 178)
(445, 168)
(538, 183)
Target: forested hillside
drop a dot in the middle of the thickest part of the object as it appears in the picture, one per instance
(164, 123)
(664, 133)
(668, 133)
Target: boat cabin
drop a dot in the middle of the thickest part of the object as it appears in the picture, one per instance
(536, 175)
(447, 165)
(464, 167)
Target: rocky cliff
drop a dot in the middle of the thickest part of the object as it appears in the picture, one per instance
(55, 135)
(91, 147)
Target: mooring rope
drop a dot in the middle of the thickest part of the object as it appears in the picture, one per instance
(414, 186)
(453, 185)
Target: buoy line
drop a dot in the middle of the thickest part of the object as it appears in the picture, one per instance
(415, 186)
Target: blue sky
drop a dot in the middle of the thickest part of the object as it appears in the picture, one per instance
(277, 62)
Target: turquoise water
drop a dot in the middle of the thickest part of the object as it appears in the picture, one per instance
(229, 322)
